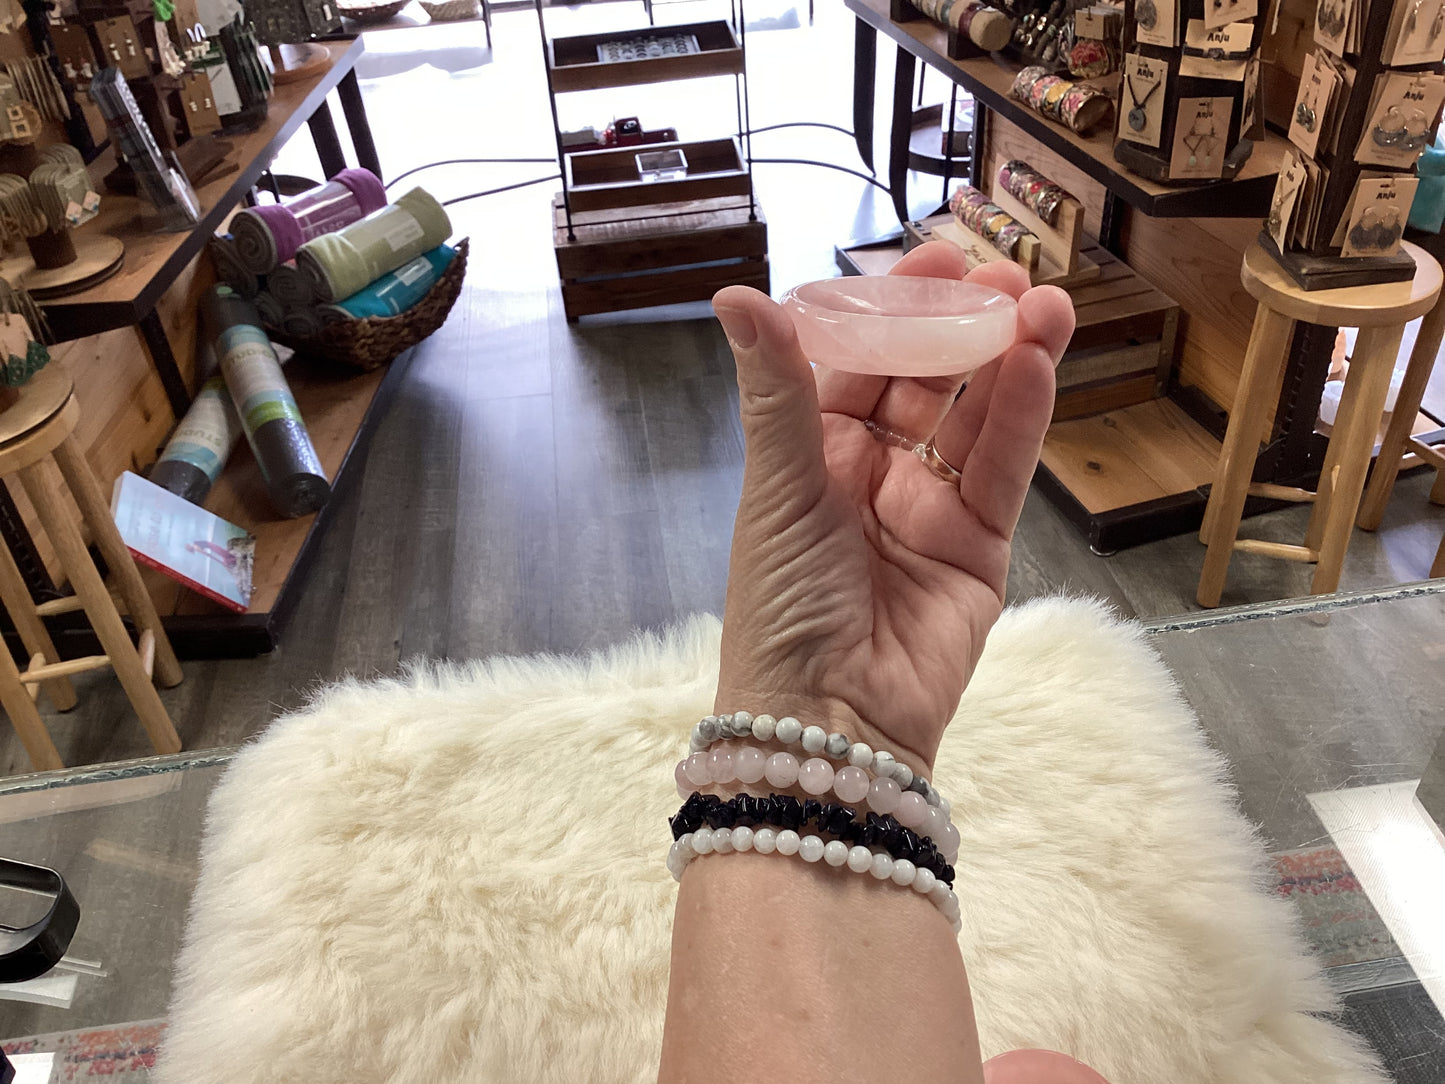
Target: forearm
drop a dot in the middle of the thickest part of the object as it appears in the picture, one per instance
(786, 971)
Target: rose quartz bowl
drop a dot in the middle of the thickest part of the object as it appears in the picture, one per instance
(901, 325)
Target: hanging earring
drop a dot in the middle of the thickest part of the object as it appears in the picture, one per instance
(1146, 14)
(1305, 117)
(1415, 141)
(1388, 231)
(1364, 233)
(1413, 20)
(1437, 25)
(1385, 135)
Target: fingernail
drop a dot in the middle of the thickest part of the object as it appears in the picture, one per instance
(738, 327)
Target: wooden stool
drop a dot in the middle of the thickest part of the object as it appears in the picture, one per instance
(34, 430)
(1381, 313)
(1398, 438)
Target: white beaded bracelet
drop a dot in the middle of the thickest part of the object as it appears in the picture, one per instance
(813, 739)
(859, 859)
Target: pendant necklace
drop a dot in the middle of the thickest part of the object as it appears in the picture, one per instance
(1138, 117)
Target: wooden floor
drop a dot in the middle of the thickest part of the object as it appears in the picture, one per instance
(536, 486)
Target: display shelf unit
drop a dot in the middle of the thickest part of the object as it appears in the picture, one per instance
(626, 229)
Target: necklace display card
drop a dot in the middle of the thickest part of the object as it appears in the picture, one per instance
(1164, 31)
(1201, 130)
(1230, 44)
(1141, 99)
(1416, 34)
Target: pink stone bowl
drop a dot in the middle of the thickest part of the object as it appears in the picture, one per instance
(901, 325)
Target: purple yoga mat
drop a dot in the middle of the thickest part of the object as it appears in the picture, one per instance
(269, 235)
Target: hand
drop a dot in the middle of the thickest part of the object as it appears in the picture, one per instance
(862, 584)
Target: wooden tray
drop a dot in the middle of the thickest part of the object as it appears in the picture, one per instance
(601, 179)
(574, 64)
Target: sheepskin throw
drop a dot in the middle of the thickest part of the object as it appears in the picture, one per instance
(457, 877)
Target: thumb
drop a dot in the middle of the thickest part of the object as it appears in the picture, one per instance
(777, 397)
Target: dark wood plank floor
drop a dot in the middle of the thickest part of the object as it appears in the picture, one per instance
(536, 486)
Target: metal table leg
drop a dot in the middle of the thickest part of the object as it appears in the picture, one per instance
(349, 91)
(865, 65)
(154, 333)
(900, 133)
(328, 144)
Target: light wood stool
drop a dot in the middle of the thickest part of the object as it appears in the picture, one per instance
(32, 432)
(1398, 439)
(1381, 313)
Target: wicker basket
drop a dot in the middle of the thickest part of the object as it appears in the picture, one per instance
(374, 341)
(372, 12)
(450, 9)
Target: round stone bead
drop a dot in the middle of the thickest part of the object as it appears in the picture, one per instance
(720, 765)
(883, 765)
(765, 840)
(918, 785)
(816, 776)
(702, 841)
(788, 842)
(883, 796)
(810, 848)
(742, 838)
(903, 872)
(707, 729)
(948, 842)
(742, 723)
(850, 784)
(923, 881)
(680, 775)
(696, 769)
(722, 840)
(749, 764)
(944, 804)
(782, 769)
(882, 867)
(724, 725)
(934, 822)
(835, 852)
(764, 727)
(814, 738)
(836, 746)
(788, 730)
(902, 775)
(940, 894)
(912, 810)
(860, 755)
(860, 859)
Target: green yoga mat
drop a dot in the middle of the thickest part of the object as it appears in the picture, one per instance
(341, 263)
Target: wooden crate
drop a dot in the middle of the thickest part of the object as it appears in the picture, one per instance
(601, 179)
(622, 261)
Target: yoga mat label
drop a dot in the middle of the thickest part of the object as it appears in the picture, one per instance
(206, 434)
(418, 269)
(254, 376)
(401, 231)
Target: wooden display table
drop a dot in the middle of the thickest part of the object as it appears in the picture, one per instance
(336, 403)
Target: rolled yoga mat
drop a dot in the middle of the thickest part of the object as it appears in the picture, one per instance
(269, 235)
(197, 452)
(343, 263)
(269, 415)
(290, 287)
(229, 267)
(398, 290)
(270, 310)
(302, 323)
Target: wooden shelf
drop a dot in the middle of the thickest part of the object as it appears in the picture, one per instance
(574, 65)
(989, 78)
(597, 180)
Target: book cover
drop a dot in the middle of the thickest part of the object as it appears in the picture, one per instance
(184, 541)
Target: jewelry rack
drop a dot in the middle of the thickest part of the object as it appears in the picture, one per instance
(1230, 144)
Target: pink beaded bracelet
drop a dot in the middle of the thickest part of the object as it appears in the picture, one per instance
(748, 764)
(810, 848)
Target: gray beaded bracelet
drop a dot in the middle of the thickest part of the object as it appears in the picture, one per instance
(813, 739)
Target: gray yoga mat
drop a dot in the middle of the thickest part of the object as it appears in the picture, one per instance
(268, 411)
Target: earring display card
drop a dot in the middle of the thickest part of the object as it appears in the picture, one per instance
(1416, 34)
(199, 104)
(1249, 114)
(1332, 24)
(121, 48)
(1311, 199)
(1403, 108)
(1282, 203)
(1201, 129)
(1141, 99)
(72, 48)
(1156, 22)
(1330, 137)
(1349, 216)
(1312, 103)
(1221, 53)
(1378, 216)
(1224, 12)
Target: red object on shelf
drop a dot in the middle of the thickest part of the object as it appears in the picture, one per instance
(626, 132)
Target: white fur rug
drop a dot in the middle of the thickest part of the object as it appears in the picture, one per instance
(458, 877)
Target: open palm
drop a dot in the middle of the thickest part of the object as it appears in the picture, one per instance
(862, 585)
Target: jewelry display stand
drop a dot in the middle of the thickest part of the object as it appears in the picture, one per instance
(1321, 265)
(1232, 142)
